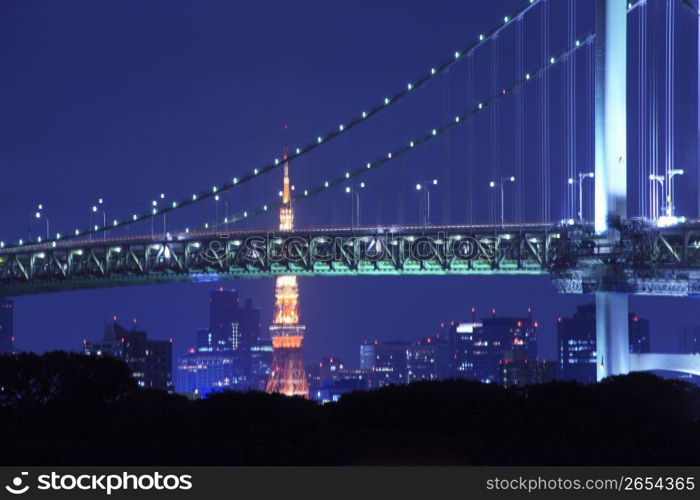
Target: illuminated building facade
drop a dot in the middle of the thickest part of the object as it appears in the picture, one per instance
(576, 339)
(287, 373)
(385, 362)
(330, 379)
(428, 359)
(150, 361)
(7, 339)
(230, 354)
(518, 371)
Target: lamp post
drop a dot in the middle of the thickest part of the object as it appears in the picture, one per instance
(40, 215)
(671, 194)
(424, 187)
(99, 208)
(655, 198)
(153, 214)
(581, 176)
(354, 200)
(500, 184)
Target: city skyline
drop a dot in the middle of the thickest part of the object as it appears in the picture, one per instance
(355, 305)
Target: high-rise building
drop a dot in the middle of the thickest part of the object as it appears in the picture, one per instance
(497, 339)
(330, 379)
(385, 362)
(461, 343)
(477, 348)
(518, 371)
(576, 339)
(228, 354)
(428, 359)
(150, 361)
(7, 339)
(287, 374)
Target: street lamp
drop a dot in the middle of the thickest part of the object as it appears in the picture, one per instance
(39, 215)
(655, 198)
(669, 199)
(500, 184)
(353, 189)
(581, 176)
(424, 187)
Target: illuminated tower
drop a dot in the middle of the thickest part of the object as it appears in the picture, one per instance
(287, 375)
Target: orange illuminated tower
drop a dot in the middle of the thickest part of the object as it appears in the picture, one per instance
(287, 375)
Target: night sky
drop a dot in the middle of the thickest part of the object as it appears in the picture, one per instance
(125, 100)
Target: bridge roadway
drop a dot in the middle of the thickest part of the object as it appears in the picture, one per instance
(643, 260)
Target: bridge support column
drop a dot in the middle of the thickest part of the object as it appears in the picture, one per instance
(612, 334)
(610, 112)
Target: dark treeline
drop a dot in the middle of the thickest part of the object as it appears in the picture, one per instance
(60, 409)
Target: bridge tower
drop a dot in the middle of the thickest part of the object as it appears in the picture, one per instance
(612, 336)
(287, 375)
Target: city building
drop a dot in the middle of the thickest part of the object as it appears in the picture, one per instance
(230, 354)
(330, 379)
(499, 338)
(287, 374)
(150, 361)
(7, 339)
(428, 359)
(385, 362)
(576, 339)
(478, 348)
(518, 371)
(461, 345)
(201, 373)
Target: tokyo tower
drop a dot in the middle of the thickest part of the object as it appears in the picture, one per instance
(287, 375)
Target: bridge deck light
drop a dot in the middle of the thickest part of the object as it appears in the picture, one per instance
(53, 244)
(410, 86)
(298, 150)
(319, 139)
(481, 105)
(411, 144)
(341, 127)
(364, 114)
(434, 132)
(506, 19)
(552, 60)
(527, 76)
(457, 54)
(114, 222)
(456, 119)
(325, 184)
(386, 100)
(481, 38)
(134, 217)
(347, 175)
(347, 189)
(194, 197)
(235, 180)
(369, 165)
(433, 71)
(255, 171)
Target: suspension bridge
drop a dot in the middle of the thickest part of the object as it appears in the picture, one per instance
(596, 244)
